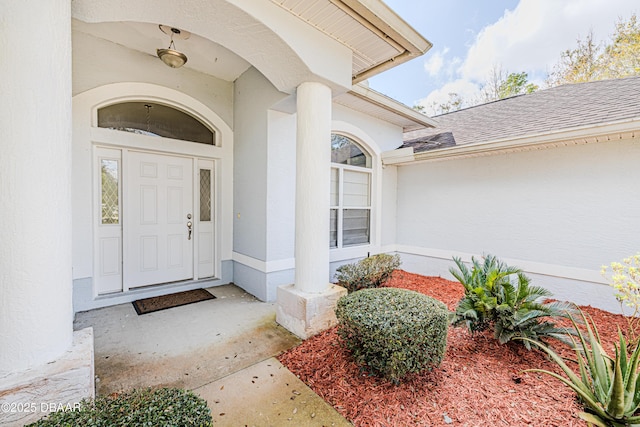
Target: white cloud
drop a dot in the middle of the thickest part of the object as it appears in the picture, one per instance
(467, 90)
(453, 66)
(433, 65)
(529, 38)
(532, 36)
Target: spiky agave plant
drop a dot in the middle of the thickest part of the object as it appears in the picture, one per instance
(608, 387)
(513, 307)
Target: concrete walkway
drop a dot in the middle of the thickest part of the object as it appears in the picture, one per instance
(267, 394)
(223, 349)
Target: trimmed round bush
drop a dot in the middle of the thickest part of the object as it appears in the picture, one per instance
(138, 408)
(370, 272)
(393, 332)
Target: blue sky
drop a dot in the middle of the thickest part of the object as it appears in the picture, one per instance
(471, 37)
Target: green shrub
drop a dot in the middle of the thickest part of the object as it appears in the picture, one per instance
(609, 387)
(492, 298)
(370, 272)
(393, 331)
(143, 407)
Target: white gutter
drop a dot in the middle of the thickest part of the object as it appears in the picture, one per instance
(391, 105)
(386, 24)
(578, 135)
(398, 156)
(383, 66)
(386, 20)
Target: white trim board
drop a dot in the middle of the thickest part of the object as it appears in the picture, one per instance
(264, 266)
(335, 255)
(532, 267)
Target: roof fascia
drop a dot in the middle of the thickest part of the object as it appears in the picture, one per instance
(391, 105)
(578, 135)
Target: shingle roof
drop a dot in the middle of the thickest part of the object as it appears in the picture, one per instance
(561, 107)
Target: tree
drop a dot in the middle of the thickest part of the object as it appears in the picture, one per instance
(516, 84)
(499, 85)
(453, 103)
(491, 88)
(590, 61)
(578, 65)
(622, 57)
(502, 84)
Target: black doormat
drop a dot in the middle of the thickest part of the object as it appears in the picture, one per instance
(149, 305)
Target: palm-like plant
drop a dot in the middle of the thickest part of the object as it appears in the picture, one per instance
(608, 387)
(482, 285)
(513, 307)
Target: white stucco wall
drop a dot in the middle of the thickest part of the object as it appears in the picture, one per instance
(281, 173)
(277, 161)
(254, 95)
(389, 208)
(97, 62)
(35, 137)
(383, 136)
(560, 213)
(264, 185)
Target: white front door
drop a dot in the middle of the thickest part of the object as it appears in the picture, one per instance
(158, 221)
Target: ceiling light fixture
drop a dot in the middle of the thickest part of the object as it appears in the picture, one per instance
(172, 57)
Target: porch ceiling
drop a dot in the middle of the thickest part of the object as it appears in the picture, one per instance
(365, 33)
(377, 36)
(146, 38)
(374, 37)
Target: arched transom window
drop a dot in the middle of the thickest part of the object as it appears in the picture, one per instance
(153, 119)
(350, 213)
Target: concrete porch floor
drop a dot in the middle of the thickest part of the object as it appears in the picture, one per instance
(222, 349)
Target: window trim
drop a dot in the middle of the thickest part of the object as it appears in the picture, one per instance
(340, 207)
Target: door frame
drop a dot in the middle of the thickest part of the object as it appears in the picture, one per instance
(212, 110)
(194, 154)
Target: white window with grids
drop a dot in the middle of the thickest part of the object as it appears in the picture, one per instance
(351, 177)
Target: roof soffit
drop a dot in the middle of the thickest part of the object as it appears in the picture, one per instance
(377, 36)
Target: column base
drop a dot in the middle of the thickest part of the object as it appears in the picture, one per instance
(305, 314)
(27, 396)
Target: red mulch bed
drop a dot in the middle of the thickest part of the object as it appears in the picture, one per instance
(479, 383)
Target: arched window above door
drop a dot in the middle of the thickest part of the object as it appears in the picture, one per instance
(153, 119)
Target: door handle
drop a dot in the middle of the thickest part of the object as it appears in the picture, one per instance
(189, 224)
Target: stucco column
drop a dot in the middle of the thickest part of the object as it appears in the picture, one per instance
(35, 171)
(313, 161)
(307, 307)
(36, 313)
